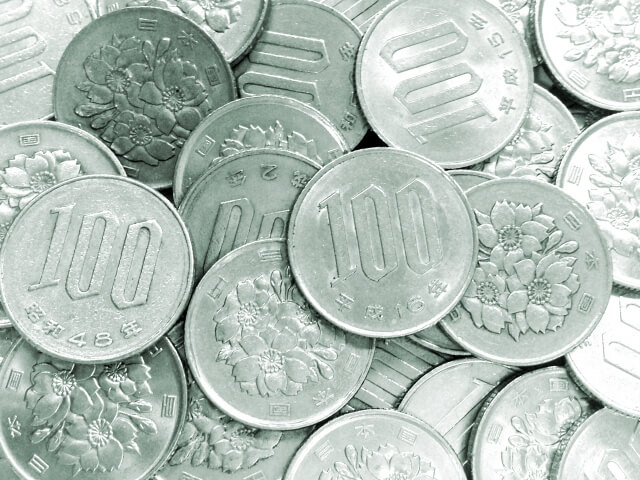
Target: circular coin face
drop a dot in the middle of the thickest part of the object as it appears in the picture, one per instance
(227, 207)
(535, 295)
(520, 429)
(382, 242)
(307, 51)
(599, 170)
(405, 75)
(141, 79)
(232, 25)
(591, 49)
(103, 422)
(96, 269)
(265, 121)
(375, 444)
(258, 351)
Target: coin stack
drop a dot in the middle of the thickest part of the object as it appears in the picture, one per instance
(320, 240)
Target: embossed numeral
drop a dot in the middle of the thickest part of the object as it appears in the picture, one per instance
(618, 349)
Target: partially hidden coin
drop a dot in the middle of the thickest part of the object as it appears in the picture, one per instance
(534, 295)
(605, 445)
(519, 12)
(375, 444)
(467, 179)
(264, 121)
(113, 421)
(8, 337)
(449, 397)
(599, 170)
(141, 79)
(227, 207)
(606, 363)
(405, 75)
(521, 428)
(38, 155)
(307, 51)
(375, 242)
(259, 352)
(96, 269)
(360, 13)
(233, 25)
(34, 36)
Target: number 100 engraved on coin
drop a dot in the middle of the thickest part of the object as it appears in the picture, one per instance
(385, 225)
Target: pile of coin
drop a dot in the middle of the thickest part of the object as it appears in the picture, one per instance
(320, 240)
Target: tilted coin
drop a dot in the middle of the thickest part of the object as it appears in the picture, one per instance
(606, 364)
(591, 49)
(141, 79)
(32, 38)
(601, 171)
(307, 51)
(453, 83)
(66, 420)
(538, 148)
(38, 155)
(359, 12)
(233, 25)
(449, 397)
(269, 121)
(96, 269)
(257, 350)
(382, 243)
(535, 294)
(604, 446)
(519, 12)
(374, 445)
(520, 429)
(227, 207)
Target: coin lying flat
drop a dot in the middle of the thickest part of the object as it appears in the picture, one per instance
(257, 350)
(227, 207)
(265, 121)
(91, 421)
(374, 242)
(141, 79)
(535, 294)
(360, 13)
(520, 429)
(307, 51)
(233, 25)
(380, 444)
(453, 83)
(105, 272)
(600, 171)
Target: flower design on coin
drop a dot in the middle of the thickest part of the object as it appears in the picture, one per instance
(124, 381)
(138, 140)
(218, 15)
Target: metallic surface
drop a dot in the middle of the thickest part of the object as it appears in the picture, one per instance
(519, 12)
(359, 12)
(8, 337)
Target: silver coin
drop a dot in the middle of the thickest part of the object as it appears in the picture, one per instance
(361, 13)
(467, 179)
(519, 12)
(8, 338)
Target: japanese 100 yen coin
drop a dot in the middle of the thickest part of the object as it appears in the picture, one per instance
(375, 242)
(96, 269)
(101, 422)
(603, 446)
(360, 13)
(520, 429)
(449, 397)
(265, 121)
(227, 207)
(534, 295)
(8, 337)
(34, 35)
(375, 444)
(407, 62)
(519, 12)
(141, 79)
(591, 50)
(601, 171)
(257, 350)
(38, 155)
(233, 25)
(307, 51)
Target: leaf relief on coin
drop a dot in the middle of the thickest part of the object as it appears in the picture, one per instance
(90, 416)
(388, 463)
(143, 99)
(524, 280)
(213, 440)
(272, 339)
(615, 198)
(530, 450)
(603, 34)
